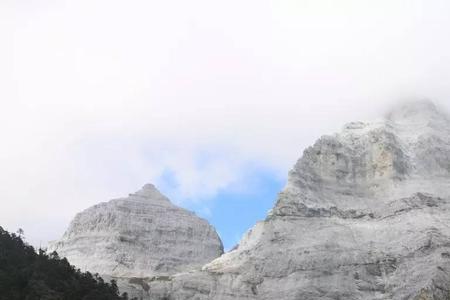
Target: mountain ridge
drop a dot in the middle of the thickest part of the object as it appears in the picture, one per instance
(365, 214)
(141, 235)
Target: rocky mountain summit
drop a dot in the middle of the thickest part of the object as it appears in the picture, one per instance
(142, 235)
(365, 215)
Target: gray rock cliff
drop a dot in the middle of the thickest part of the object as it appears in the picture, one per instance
(142, 235)
(365, 215)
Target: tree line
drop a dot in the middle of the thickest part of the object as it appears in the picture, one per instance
(27, 274)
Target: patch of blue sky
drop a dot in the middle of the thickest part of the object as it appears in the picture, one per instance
(236, 208)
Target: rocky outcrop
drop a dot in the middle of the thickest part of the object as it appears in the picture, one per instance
(365, 215)
(142, 235)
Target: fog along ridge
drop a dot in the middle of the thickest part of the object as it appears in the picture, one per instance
(364, 215)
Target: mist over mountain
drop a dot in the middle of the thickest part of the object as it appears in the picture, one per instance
(364, 215)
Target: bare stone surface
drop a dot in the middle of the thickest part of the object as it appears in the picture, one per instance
(365, 215)
(142, 235)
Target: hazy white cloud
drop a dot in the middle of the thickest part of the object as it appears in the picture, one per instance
(99, 97)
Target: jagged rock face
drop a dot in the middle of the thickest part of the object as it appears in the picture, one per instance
(365, 215)
(139, 236)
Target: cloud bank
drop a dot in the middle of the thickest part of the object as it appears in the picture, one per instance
(99, 97)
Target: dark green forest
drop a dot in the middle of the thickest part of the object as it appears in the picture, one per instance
(26, 274)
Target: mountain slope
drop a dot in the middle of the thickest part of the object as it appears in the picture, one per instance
(365, 215)
(142, 235)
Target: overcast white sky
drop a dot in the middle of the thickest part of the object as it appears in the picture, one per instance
(99, 97)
